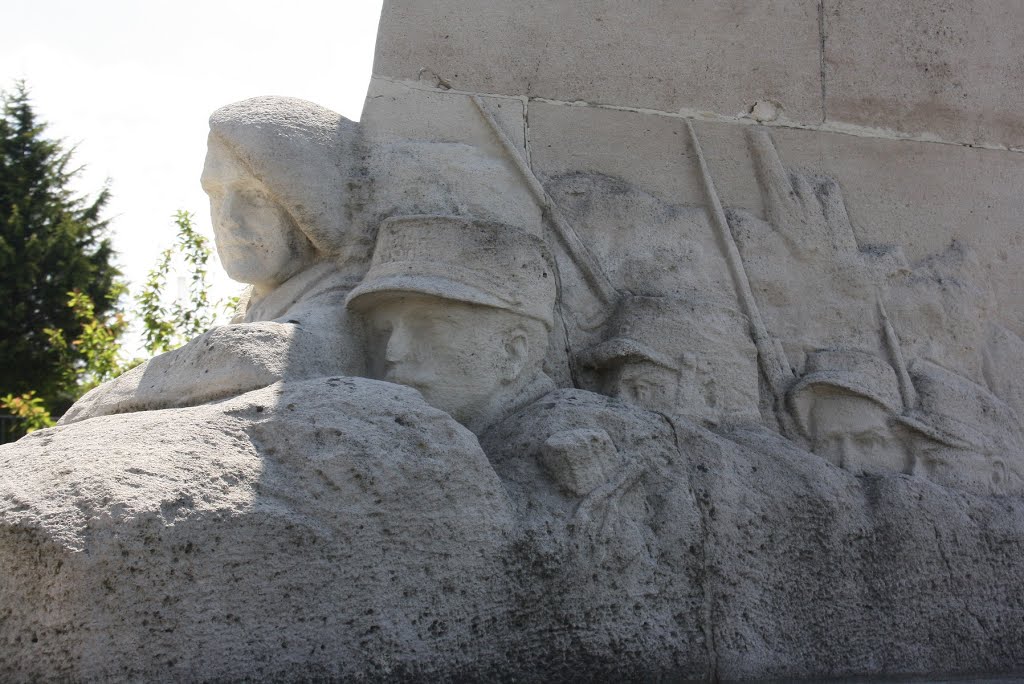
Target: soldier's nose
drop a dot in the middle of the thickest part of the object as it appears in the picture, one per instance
(399, 344)
(845, 451)
(230, 211)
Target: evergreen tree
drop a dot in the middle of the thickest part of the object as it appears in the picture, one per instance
(52, 242)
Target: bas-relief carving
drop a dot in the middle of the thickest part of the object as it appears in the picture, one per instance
(614, 360)
(285, 223)
(877, 392)
(460, 299)
(460, 310)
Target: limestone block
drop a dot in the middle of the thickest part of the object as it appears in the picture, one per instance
(580, 460)
(927, 67)
(421, 111)
(646, 150)
(258, 537)
(432, 151)
(660, 393)
(919, 196)
(342, 528)
(408, 177)
(230, 360)
(706, 55)
(924, 568)
(628, 184)
(611, 527)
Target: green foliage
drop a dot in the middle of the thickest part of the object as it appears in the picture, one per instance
(88, 360)
(167, 327)
(30, 411)
(63, 325)
(52, 242)
(95, 355)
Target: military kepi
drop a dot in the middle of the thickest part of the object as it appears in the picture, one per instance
(461, 259)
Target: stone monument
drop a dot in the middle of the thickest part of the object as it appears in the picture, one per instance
(579, 357)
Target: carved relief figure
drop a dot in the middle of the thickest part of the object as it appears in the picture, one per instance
(806, 245)
(848, 406)
(641, 361)
(959, 435)
(461, 306)
(861, 404)
(690, 356)
(277, 173)
(974, 439)
(460, 310)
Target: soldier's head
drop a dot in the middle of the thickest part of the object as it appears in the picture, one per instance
(974, 439)
(687, 355)
(274, 169)
(848, 406)
(640, 360)
(460, 310)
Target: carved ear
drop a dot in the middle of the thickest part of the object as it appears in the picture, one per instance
(517, 354)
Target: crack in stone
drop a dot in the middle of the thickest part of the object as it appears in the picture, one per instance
(526, 132)
(821, 58)
(705, 533)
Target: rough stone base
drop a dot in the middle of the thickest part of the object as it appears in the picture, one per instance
(341, 528)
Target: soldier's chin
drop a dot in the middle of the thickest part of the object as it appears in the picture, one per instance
(409, 380)
(240, 267)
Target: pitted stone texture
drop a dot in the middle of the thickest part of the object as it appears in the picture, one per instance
(311, 529)
(230, 360)
(939, 67)
(705, 55)
(341, 528)
(752, 558)
(856, 575)
(620, 564)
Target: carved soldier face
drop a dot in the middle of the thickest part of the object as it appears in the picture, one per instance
(645, 384)
(963, 468)
(459, 356)
(857, 434)
(257, 241)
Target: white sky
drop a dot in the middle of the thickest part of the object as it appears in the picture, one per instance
(133, 82)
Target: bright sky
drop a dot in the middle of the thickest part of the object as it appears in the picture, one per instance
(133, 82)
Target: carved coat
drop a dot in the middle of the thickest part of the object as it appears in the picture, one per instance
(300, 330)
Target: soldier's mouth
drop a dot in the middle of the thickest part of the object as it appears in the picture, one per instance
(399, 377)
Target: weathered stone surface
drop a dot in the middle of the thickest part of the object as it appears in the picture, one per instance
(707, 55)
(920, 196)
(342, 528)
(649, 151)
(927, 67)
(421, 111)
(326, 528)
(856, 575)
(286, 222)
(727, 394)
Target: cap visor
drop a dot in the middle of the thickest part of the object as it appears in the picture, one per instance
(364, 296)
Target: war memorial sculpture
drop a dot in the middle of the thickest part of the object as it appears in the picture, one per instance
(548, 378)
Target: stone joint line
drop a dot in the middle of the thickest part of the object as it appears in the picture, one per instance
(835, 127)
